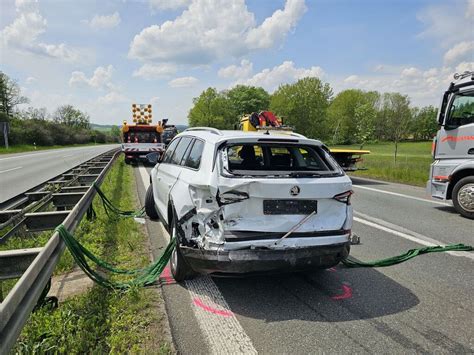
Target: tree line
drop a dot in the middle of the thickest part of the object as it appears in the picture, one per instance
(31, 125)
(309, 105)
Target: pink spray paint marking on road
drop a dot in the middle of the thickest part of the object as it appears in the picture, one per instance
(347, 293)
(213, 310)
(333, 269)
(166, 278)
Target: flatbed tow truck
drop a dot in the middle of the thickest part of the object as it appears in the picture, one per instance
(267, 120)
(142, 137)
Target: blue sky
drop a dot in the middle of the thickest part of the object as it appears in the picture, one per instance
(101, 56)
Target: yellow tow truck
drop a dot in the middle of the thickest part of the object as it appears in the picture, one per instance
(266, 120)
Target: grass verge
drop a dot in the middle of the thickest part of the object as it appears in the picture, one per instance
(21, 148)
(412, 165)
(101, 320)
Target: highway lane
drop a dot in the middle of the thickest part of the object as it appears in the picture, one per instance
(22, 171)
(424, 305)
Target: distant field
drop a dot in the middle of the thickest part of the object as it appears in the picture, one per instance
(29, 148)
(411, 167)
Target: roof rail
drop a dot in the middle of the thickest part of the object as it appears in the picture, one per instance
(297, 135)
(208, 129)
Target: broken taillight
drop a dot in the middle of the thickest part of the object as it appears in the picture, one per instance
(344, 197)
(232, 196)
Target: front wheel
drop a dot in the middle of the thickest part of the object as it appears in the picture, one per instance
(463, 197)
(179, 267)
(150, 208)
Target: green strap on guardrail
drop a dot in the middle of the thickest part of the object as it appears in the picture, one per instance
(142, 277)
(109, 206)
(349, 262)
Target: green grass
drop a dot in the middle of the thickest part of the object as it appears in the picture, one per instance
(412, 165)
(101, 320)
(21, 148)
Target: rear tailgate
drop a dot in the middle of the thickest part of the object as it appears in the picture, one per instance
(276, 205)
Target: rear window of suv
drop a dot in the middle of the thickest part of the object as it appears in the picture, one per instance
(262, 159)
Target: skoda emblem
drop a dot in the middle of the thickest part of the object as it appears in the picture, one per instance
(294, 191)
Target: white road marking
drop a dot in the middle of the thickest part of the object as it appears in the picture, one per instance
(222, 330)
(49, 151)
(6, 171)
(404, 233)
(69, 155)
(401, 195)
(219, 325)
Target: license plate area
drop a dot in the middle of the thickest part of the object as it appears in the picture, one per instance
(277, 207)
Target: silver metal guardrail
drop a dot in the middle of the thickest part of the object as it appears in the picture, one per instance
(35, 266)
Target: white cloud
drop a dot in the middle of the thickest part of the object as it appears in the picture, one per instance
(284, 73)
(244, 70)
(100, 79)
(274, 29)
(462, 50)
(112, 97)
(168, 4)
(99, 22)
(183, 82)
(155, 71)
(208, 30)
(154, 100)
(470, 9)
(30, 80)
(352, 79)
(22, 34)
(447, 23)
(423, 86)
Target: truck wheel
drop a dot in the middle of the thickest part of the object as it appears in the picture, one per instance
(463, 197)
(127, 161)
(179, 267)
(150, 208)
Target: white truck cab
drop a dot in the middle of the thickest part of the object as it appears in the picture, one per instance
(452, 172)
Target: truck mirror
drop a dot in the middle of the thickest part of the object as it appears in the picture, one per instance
(153, 158)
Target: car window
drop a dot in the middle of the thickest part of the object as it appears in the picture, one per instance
(462, 109)
(180, 150)
(194, 159)
(276, 157)
(170, 150)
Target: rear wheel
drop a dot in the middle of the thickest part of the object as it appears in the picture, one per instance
(463, 197)
(179, 267)
(150, 208)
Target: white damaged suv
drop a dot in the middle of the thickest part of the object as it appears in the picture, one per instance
(240, 202)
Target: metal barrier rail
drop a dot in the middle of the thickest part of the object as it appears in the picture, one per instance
(22, 298)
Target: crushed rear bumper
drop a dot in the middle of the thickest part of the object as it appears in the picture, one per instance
(246, 261)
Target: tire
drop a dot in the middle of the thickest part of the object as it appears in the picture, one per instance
(179, 267)
(150, 208)
(127, 161)
(463, 197)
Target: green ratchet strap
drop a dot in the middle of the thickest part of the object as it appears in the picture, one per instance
(109, 206)
(142, 277)
(349, 262)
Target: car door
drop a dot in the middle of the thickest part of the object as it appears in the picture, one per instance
(158, 185)
(168, 172)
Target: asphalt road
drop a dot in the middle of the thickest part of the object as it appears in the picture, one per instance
(22, 171)
(425, 305)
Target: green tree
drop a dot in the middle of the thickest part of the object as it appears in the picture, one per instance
(396, 115)
(10, 94)
(70, 116)
(345, 112)
(304, 105)
(211, 109)
(247, 99)
(364, 116)
(424, 125)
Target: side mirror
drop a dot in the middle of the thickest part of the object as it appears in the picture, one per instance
(153, 158)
